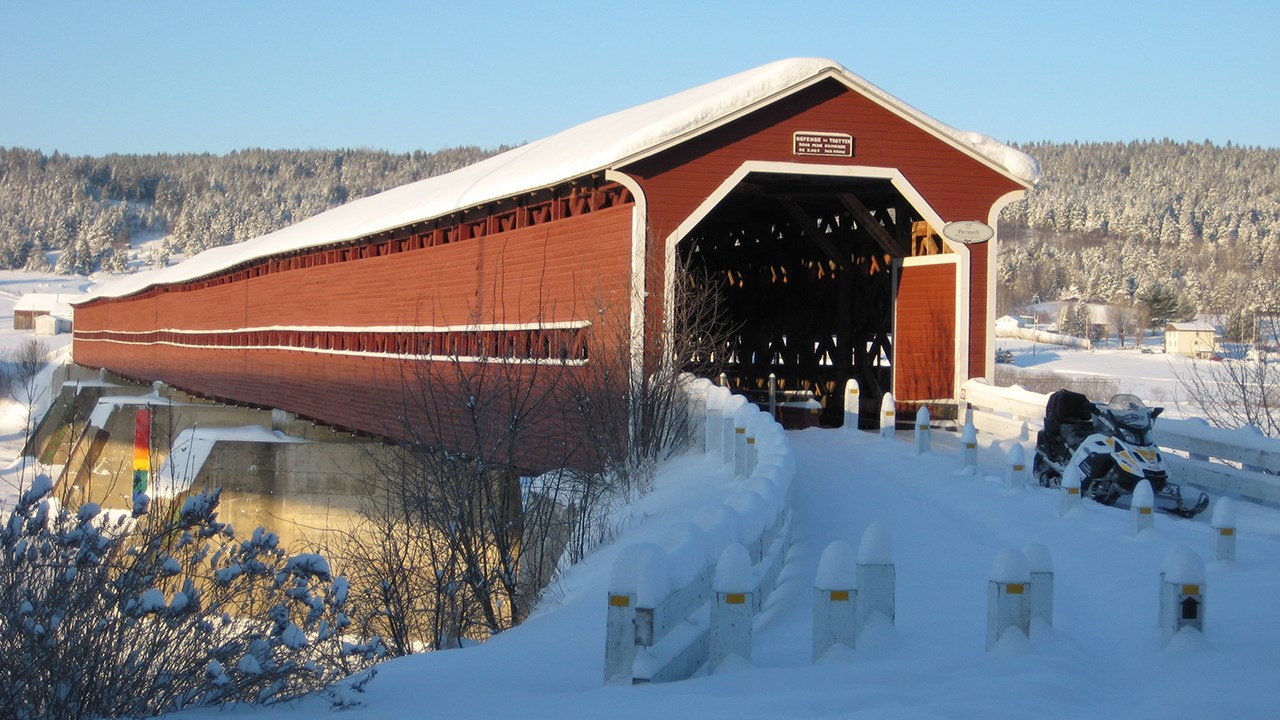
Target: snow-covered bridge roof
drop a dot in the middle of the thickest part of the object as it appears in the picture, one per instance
(607, 142)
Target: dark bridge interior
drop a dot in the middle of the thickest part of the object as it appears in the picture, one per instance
(803, 267)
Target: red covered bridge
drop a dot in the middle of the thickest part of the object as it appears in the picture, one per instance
(815, 200)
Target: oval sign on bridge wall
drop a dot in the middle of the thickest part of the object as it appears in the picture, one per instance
(968, 232)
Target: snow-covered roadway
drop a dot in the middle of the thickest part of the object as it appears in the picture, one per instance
(1102, 658)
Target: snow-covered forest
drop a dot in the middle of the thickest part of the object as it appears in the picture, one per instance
(1192, 224)
(85, 210)
(1109, 222)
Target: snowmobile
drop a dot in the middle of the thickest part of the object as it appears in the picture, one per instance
(1111, 445)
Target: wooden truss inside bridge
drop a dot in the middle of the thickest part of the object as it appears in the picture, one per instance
(804, 267)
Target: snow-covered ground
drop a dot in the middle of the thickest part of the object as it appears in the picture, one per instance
(1153, 375)
(13, 414)
(1101, 658)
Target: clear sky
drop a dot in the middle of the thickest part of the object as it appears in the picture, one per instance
(148, 76)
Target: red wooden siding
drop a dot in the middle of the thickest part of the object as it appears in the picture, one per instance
(924, 333)
(561, 271)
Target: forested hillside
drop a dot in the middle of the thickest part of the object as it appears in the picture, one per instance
(1195, 225)
(91, 208)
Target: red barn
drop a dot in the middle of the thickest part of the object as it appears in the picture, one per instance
(816, 202)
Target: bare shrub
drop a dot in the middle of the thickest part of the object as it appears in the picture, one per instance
(511, 467)
(111, 616)
(1236, 392)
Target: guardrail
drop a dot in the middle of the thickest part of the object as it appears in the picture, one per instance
(1239, 462)
(659, 617)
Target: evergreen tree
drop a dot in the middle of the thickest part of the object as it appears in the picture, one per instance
(1161, 304)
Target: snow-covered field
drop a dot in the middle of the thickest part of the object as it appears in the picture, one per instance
(1153, 376)
(1101, 659)
(14, 415)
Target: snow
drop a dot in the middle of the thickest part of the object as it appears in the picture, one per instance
(734, 571)
(1143, 495)
(57, 304)
(604, 143)
(1224, 514)
(1101, 658)
(1183, 567)
(688, 552)
(1038, 558)
(876, 547)
(837, 569)
(191, 449)
(1011, 566)
(151, 601)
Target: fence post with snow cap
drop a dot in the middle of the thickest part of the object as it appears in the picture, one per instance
(969, 444)
(1008, 602)
(728, 428)
(1182, 594)
(888, 417)
(662, 596)
(754, 426)
(1224, 530)
(733, 607)
(1040, 564)
(876, 575)
(1069, 491)
(852, 404)
(922, 430)
(697, 389)
(741, 419)
(1015, 468)
(835, 598)
(713, 427)
(1143, 506)
(636, 574)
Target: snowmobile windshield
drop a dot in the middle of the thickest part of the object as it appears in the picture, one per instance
(1130, 413)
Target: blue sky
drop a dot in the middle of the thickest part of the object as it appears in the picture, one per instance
(149, 76)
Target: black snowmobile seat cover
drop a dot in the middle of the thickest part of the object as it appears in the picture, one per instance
(1066, 406)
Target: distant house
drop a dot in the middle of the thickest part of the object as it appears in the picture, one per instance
(1192, 339)
(51, 325)
(1008, 324)
(34, 305)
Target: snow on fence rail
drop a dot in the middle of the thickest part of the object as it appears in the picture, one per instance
(660, 594)
(1043, 336)
(1211, 454)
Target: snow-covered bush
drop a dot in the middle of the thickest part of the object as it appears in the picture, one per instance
(110, 615)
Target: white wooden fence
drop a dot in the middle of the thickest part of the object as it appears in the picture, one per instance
(660, 594)
(1231, 462)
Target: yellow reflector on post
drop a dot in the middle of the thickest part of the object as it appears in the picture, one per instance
(1227, 531)
(619, 601)
(735, 598)
(1190, 589)
(1016, 588)
(839, 596)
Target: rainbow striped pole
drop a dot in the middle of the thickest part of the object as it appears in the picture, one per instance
(141, 450)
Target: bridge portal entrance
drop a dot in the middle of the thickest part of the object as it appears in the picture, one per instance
(808, 269)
